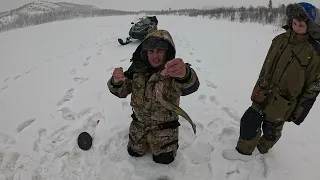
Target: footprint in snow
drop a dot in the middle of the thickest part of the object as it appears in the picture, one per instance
(186, 135)
(39, 137)
(67, 97)
(232, 113)
(199, 152)
(215, 124)
(199, 126)
(24, 124)
(88, 58)
(99, 53)
(85, 64)
(8, 165)
(80, 80)
(213, 99)
(211, 84)
(4, 88)
(28, 71)
(73, 71)
(57, 142)
(15, 78)
(84, 112)
(115, 147)
(5, 80)
(6, 139)
(232, 173)
(59, 131)
(191, 53)
(202, 98)
(199, 61)
(227, 133)
(236, 173)
(68, 114)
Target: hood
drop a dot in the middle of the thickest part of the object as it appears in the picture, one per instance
(140, 64)
(305, 11)
(162, 34)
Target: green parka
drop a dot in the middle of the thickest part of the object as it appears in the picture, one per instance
(289, 81)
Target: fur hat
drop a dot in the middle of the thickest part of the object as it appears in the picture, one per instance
(305, 12)
(153, 43)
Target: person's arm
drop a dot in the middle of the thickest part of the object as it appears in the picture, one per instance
(119, 85)
(189, 83)
(309, 95)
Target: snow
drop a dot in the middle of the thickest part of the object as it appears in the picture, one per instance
(53, 87)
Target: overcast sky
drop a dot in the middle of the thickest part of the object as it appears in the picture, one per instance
(6, 5)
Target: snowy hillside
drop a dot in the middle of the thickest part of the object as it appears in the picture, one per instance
(53, 86)
(45, 6)
(76, 7)
(38, 7)
(33, 11)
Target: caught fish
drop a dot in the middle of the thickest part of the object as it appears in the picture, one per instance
(165, 101)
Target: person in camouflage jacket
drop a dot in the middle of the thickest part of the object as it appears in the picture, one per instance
(153, 126)
(288, 84)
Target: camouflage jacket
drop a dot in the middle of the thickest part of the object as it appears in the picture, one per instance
(143, 100)
(289, 81)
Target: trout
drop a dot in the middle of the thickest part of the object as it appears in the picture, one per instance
(165, 101)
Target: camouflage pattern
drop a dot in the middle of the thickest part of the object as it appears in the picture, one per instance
(144, 131)
(287, 87)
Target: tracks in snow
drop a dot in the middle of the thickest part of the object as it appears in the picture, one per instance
(55, 153)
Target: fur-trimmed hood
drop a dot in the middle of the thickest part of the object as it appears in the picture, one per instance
(306, 12)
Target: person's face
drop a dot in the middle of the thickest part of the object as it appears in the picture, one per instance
(300, 27)
(156, 57)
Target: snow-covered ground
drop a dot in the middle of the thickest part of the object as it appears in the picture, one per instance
(53, 86)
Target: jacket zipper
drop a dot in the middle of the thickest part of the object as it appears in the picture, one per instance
(292, 56)
(285, 69)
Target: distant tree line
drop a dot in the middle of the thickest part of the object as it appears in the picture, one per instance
(28, 19)
(266, 15)
(261, 14)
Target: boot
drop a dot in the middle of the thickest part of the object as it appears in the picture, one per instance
(234, 154)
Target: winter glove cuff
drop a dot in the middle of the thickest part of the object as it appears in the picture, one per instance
(187, 76)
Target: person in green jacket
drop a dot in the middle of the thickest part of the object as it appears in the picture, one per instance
(287, 87)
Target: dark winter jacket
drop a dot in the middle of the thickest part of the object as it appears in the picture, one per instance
(289, 81)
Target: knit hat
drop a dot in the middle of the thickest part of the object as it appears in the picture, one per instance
(304, 11)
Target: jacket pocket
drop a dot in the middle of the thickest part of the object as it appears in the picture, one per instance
(277, 108)
(260, 95)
